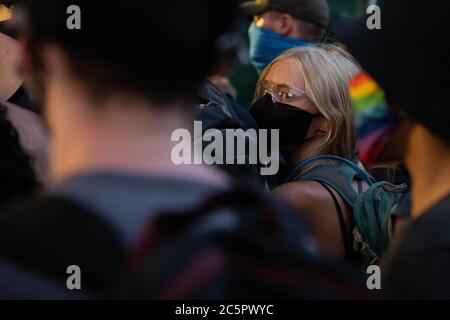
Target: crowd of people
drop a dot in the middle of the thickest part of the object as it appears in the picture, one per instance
(88, 181)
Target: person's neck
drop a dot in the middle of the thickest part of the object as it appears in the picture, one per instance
(132, 140)
(308, 149)
(10, 80)
(428, 160)
(301, 36)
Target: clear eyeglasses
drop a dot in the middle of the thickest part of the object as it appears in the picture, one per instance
(283, 93)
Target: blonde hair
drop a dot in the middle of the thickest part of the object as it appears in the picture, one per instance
(327, 71)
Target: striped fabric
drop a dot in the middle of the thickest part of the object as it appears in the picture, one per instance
(374, 120)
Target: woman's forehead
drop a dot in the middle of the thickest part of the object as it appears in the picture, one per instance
(286, 72)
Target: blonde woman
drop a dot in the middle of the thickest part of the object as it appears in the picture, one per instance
(304, 93)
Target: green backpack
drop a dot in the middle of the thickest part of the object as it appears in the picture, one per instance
(372, 209)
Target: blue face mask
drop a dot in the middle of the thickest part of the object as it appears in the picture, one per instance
(266, 45)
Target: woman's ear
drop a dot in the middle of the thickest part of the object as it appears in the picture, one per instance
(323, 125)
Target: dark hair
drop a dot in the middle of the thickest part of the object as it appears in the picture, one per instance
(17, 177)
(160, 49)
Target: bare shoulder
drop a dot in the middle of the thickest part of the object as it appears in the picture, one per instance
(303, 195)
(314, 203)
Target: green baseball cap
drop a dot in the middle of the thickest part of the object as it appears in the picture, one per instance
(316, 11)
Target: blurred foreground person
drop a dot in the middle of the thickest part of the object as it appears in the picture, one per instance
(11, 81)
(284, 24)
(416, 130)
(120, 211)
(17, 177)
(16, 103)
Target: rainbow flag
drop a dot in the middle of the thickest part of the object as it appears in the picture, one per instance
(374, 120)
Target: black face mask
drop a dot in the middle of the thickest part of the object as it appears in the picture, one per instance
(292, 122)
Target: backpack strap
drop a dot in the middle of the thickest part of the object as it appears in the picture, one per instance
(341, 221)
(337, 177)
(340, 178)
(344, 162)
